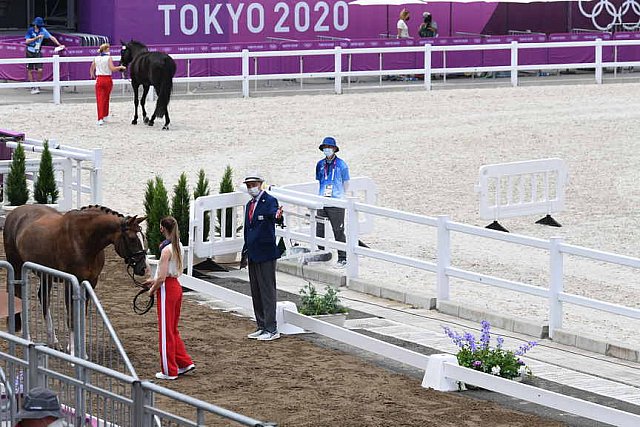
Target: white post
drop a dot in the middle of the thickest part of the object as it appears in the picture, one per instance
(245, 73)
(444, 258)
(78, 183)
(96, 182)
(599, 61)
(352, 238)
(56, 79)
(67, 184)
(313, 223)
(338, 69)
(192, 237)
(556, 284)
(514, 63)
(427, 66)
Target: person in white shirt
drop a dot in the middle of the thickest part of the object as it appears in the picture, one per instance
(101, 69)
(403, 28)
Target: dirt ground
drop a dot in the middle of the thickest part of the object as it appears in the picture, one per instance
(290, 381)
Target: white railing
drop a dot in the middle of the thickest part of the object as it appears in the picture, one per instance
(522, 188)
(338, 74)
(84, 166)
(292, 322)
(442, 266)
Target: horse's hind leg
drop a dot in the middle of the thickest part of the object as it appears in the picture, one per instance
(68, 303)
(166, 120)
(44, 295)
(145, 92)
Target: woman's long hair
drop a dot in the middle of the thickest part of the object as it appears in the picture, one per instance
(171, 225)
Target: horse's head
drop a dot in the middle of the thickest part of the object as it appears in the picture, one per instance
(131, 245)
(130, 50)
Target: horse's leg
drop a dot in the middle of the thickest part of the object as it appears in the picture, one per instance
(68, 304)
(135, 86)
(145, 92)
(166, 120)
(44, 295)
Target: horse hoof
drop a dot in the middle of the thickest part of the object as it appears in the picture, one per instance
(146, 119)
(134, 122)
(150, 123)
(165, 127)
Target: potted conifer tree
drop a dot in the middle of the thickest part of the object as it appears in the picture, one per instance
(226, 186)
(180, 207)
(156, 207)
(17, 191)
(45, 190)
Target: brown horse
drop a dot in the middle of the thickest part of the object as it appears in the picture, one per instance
(73, 243)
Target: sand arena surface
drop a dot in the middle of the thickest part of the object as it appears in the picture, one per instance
(423, 150)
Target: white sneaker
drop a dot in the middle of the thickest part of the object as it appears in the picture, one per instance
(100, 122)
(182, 371)
(269, 336)
(161, 376)
(341, 264)
(106, 119)
(35, 91)
(256, 334)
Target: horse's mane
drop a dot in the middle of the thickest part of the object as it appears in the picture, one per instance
(136, 44)
(101, 209)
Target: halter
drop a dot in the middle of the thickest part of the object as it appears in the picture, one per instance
(132, 259)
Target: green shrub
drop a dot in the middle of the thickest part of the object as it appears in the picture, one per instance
(17, 191)
(226, 186)
(180, 207)
(313, 304)
(202, 189)
(158, 209)
(45, 189)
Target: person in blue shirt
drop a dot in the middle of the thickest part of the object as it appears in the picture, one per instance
(34, 38)
(332, 174)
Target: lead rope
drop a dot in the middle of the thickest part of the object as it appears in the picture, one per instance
(138, 307)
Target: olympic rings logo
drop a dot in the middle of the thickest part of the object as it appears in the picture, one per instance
(607, 9)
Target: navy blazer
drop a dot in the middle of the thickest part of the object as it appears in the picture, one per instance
(260, 232)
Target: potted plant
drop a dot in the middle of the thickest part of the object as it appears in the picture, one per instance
(326, 307)
(202, 189)
(226, 186)
(481, 356)
(17, 191)
(180, 208)
(45, 189)
(156, 207)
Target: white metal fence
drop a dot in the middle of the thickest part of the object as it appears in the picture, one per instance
(442, 267)
(246, 76)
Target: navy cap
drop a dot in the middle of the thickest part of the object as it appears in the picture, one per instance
(38, 21)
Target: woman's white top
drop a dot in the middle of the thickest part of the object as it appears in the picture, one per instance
(404, 29)
(173, 264)
(102, 65)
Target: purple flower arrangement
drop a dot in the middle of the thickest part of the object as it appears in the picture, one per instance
(481, 356)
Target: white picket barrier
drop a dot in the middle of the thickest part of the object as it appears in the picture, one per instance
(522, 188)
(86, 166)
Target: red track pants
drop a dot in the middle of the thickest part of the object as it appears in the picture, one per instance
(104, 84)
(173, 355)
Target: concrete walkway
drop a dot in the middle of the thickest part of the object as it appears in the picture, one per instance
(591, 376)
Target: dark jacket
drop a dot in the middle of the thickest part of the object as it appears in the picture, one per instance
(260, 232)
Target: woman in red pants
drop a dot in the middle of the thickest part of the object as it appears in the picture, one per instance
(101, 69)
(174, 359)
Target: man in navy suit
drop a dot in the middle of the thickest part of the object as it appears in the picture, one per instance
(260, 250)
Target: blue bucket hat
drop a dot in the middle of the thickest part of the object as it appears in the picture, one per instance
(329, 142)
(38, 21)
(39, 403)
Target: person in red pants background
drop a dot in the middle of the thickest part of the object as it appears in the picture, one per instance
(174, 359)
(101, 69)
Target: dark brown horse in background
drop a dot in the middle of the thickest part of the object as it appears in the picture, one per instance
(73, 243)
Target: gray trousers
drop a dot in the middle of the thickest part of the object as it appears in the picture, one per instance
(336, 218)
(262, 278)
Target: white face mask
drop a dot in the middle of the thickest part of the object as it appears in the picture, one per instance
(328, 152)
(254, 191)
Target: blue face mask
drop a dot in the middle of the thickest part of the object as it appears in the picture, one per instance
(328, 152)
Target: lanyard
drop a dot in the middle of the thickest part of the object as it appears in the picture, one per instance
(327, 165)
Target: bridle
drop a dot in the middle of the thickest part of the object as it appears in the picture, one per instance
(132, 259)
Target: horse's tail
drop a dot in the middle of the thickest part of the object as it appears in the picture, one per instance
(166, 87)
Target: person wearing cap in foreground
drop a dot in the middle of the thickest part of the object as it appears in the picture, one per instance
(333, 175)
(260, 252)
(40, 408)
(34, 38)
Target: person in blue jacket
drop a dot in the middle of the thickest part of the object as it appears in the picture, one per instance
(261, 252)
(34, 38)
(332, 174)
